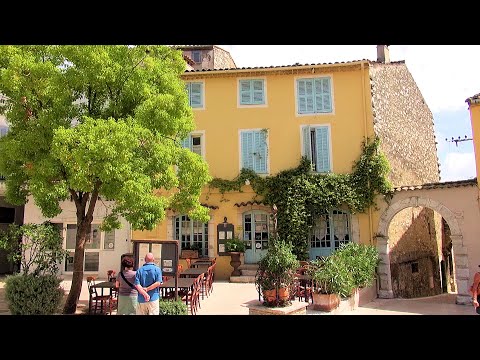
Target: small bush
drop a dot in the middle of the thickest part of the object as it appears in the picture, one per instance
(33, 295)
(169, 307)
(362, 261)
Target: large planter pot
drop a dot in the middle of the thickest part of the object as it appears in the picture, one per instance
(235, 263)
(283, 294)
(325, 302)
(269, 296)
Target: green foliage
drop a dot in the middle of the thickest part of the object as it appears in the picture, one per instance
(352, 266)
(169, 307)
(33, 295)
(99, 120)
(99, 123)
(277, 268)
(331, 275)
(235, 244)
(300, 194)
(362, 261)
(40, 251)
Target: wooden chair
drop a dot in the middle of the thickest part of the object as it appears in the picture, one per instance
(193, 295)
(95, 301)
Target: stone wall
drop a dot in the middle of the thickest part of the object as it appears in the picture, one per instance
(222, 59)
(404, 123)
(414, 243)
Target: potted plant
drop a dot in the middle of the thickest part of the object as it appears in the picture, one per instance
(362, 261)
(235, 247)
(332, 280)
(276, 274)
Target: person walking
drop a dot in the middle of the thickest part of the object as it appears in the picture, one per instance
(127, 292)
(147, 281)
(475, 290)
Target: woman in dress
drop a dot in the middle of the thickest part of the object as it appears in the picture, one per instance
(127, 293)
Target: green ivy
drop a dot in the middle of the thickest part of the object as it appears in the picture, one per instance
(300, 194)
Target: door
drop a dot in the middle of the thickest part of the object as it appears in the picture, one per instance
(328, 233)
(256, 235)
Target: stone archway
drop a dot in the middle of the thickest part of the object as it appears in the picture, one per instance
(459, 250)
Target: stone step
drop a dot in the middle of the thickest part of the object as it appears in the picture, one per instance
(246, 272)
(242, 279)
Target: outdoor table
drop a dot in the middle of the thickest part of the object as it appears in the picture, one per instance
(182, 283)
(193, 272)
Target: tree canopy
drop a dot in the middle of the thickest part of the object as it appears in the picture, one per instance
(99, 121)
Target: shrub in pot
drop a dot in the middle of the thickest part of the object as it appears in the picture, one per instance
(276, 272)
(332, 280)
(235, 247)
(362, 261)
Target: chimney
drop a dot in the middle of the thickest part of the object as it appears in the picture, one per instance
(383, 54)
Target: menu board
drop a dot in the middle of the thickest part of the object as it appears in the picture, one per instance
(225, 232)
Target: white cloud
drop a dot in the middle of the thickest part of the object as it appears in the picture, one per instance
(458, 166)
(445, 74)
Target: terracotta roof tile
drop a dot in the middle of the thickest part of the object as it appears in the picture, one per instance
(248, 203)
(438, 185)
(475, 98)
(293, 66)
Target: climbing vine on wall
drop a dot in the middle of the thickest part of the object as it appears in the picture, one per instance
(300, 194)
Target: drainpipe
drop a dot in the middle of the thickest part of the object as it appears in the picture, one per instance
(365, 136)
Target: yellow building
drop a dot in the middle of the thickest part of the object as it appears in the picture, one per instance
(267, 118)
(474, 107)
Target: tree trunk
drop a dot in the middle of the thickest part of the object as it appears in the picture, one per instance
(84, 222)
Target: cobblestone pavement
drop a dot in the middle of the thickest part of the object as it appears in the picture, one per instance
(234, 298)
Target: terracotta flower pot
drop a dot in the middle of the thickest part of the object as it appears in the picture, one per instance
(325, 302)
(269, 296)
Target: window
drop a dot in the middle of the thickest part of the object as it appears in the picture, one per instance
(194, 143)
(254, 150)
(252, 92)
(314, 95)
(256, 227)
(191, 234)
(316, 147)
(329, 231)
(92, 246)
(195, 94)
(197, 56)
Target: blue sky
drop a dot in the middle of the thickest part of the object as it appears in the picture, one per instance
(445, 74)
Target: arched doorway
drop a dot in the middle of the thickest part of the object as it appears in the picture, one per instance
(383, 242)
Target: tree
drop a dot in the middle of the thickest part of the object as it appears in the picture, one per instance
(99, 121)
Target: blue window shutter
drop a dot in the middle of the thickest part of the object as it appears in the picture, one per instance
(187, 142)
(247, 149)
(196, 100)
(323, 96)
(258, 94)
(245, 93)
(302, 103)
(307, 146)
(260, 152)
(305, 96)
(323, 155)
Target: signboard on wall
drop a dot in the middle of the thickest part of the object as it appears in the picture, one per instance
(225, 232)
